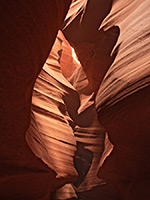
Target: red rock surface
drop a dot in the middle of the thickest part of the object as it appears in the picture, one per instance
(28, 30)
(115, 59)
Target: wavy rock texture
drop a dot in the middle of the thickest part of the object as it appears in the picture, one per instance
(131, 69)
(64, 130)
(50, 133)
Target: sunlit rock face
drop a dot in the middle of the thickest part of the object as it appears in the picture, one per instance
(130, 71)
(49, 122)
(64, 130)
